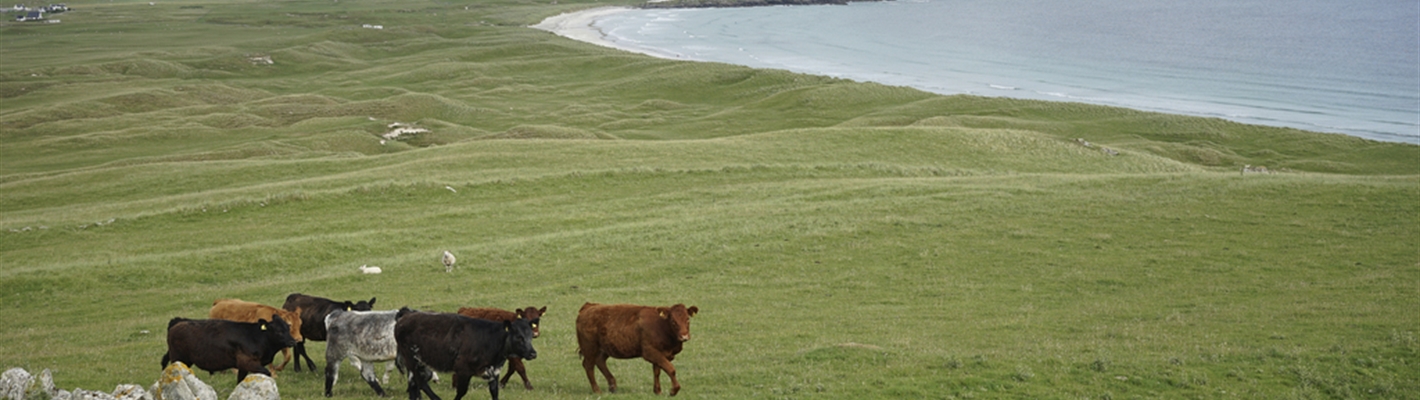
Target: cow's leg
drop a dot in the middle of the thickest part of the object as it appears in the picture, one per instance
(332, 372)
(656, 379)
(461, 379)
(493, 385)
(300, 351)
(419, 381)
(590, 364)
(247, 365)
(388, 367)
(367, 371)
(413, 388)
(515, 364)
(285, 359)
(659, 363)
(610, 380)
(424, 374)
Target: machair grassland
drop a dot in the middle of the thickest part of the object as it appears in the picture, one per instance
(843, 240)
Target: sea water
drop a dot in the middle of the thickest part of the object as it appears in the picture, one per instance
(1349, 67)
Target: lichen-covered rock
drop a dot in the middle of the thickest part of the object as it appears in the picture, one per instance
(256, 387)
(14, 382)
(131, 392)
(178, 383)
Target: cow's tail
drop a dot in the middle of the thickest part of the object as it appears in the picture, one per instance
(402, 312)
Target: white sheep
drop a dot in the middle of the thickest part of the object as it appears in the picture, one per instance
(370, 270)
(448, 261)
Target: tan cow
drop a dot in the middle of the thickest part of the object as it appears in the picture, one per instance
(246, 311)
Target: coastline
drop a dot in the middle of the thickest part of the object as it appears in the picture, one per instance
(583, 26)
(577, 25)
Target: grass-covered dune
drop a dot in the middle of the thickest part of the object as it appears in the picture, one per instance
(842, 239)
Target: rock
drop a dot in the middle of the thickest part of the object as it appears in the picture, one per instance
(81, 394)
(178, 383)
(131, 392)
(18, 384)
(44, 386)
(256, 387)
(14, 382)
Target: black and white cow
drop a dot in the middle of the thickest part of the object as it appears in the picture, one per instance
(466, 346)
(215, 345)
(313, 312)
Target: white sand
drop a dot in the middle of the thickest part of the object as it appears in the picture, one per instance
(578, 26)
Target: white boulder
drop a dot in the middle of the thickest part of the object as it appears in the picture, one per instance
(256, 387)
(14, 382)
(178, 383)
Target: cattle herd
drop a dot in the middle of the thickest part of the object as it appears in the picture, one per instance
(472, 342)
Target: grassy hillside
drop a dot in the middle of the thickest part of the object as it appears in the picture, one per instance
(842, 239)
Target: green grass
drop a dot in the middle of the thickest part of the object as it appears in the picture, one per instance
(842, 239)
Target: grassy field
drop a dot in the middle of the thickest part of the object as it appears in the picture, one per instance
(843, 240)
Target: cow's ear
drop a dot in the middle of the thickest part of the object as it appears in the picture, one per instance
(661, 312)
(372, 302)
(507, 326)
(521, 314)
(543, 310)
(692, 310)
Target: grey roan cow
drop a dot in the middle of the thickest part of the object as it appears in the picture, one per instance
(366, 337)
(466, 346)
(215, 345)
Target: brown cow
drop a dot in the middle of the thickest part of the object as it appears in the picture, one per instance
(246, 311)
(630, 331)
(532, 314)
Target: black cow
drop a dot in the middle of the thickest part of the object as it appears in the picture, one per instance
(313, 312)
(216, 345)
(452, 342)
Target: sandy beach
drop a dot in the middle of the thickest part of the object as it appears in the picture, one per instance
(578, 26)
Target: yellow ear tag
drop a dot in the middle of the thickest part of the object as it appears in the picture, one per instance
(263, 327)
(347, 308)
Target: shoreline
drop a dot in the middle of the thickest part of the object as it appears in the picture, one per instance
(577, 25)
(581, 26)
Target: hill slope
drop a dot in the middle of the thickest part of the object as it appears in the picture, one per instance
(843, 239)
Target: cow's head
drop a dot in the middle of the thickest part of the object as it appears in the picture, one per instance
(294, 318)
(534, 317)
(679, 317)
(520, 336)
(360, 305)
(277, 330)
